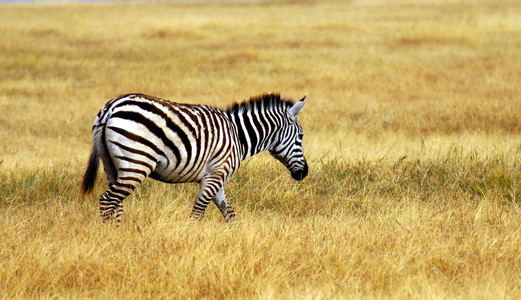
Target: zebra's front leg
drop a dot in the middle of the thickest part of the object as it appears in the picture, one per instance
(208, 189)
(222, 204)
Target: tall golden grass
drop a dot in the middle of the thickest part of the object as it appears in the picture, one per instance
(411, 131)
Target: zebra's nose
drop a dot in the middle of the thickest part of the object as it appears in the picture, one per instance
(300, 174)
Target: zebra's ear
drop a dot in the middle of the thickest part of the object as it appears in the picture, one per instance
(297, 108)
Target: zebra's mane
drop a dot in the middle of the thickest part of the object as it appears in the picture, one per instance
(264, 102)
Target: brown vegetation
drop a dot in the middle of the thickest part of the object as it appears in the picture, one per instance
(411, 131)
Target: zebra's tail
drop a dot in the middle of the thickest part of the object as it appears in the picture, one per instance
(89, 178)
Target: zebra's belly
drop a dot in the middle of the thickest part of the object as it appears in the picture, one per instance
(168, 171)
(176, 179)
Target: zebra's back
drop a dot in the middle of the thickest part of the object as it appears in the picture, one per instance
(168, 141)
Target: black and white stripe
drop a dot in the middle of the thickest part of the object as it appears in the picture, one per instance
(138, 136)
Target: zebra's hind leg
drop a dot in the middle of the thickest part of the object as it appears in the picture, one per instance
(111, 201)
(220, 200)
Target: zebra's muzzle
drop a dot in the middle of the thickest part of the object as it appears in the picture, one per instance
(300, 174)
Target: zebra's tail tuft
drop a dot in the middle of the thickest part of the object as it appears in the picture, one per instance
(89, 178)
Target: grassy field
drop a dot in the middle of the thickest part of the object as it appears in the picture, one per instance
(412, 133)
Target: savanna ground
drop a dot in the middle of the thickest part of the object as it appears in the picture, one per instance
(412, 133)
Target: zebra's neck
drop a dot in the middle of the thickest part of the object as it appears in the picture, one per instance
(258, 122)
(256, 132)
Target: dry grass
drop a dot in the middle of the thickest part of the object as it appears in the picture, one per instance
(412, 133)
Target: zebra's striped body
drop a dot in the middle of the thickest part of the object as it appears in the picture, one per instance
(137, 136)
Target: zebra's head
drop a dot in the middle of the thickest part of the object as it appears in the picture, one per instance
(288, 144)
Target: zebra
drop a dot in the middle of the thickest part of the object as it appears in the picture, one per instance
(138, 136)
